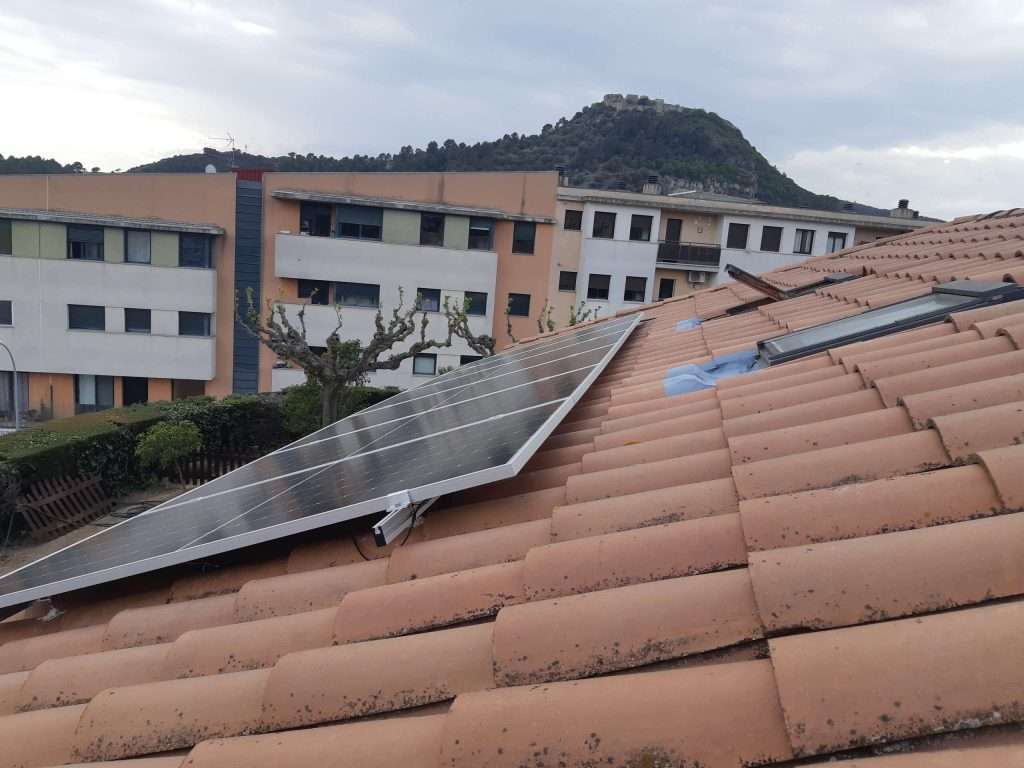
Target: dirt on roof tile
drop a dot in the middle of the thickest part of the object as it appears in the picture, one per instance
(164, 623)
(968, 432)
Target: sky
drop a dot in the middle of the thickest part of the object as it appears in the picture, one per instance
(870, 101)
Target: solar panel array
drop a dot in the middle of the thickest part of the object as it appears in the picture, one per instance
(475, 425)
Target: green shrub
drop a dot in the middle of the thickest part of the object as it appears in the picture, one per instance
(301, 405)
(166, 445)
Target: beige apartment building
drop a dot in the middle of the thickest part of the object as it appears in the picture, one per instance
(120, 288)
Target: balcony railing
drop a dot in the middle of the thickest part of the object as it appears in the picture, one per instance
(689, 253)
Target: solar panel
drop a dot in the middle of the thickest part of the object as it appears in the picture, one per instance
(478, 424)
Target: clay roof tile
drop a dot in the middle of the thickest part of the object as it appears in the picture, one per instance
(968, 432)
(42, 738)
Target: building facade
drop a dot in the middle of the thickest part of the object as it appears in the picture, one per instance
(618, 248)
(122, 288)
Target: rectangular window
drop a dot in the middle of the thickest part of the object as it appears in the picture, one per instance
(137, 320)
(519, 304)
(804, 241)
(431, 229)
(476, 303)
(604, 225)
(7, 394)
(481, 234)
(673, 230)
(87, 317)
(182, 388)
(85, 243)
(640, 227)
(566, 281)
(134, 390)
(573, 219)
(429, 299)
(636, 289)
(836, 242)
(357, 295)
(193, 323)
(424, 364)
(360, 221)
(137, 247)
(6, 238)
(317, 291)
(737, 236)
(6, 312)
(93, 393)
(315, 219)
(194, 251)
(666, 288)
(524, 233)
(771, 239)
(467, 359)
(598, 287)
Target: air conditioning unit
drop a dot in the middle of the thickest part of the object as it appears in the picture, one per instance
(696, 278)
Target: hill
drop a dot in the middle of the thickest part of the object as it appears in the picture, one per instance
(616, 142)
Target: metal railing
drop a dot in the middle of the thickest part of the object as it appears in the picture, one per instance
(689, 253)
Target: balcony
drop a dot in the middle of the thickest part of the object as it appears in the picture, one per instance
(700, 256)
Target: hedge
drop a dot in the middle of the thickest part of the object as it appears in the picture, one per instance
(102, 444)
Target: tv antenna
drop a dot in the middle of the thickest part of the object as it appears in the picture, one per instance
(230, 141)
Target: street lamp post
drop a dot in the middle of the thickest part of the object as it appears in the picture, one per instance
(17, 401)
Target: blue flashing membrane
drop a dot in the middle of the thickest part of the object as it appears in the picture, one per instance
(695, 377)
(688, 324)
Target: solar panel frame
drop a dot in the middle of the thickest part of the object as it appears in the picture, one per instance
(553, 412)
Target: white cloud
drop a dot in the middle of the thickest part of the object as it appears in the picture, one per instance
(252, 28)
(947, 175)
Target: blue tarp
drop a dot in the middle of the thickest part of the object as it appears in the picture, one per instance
(693, 377)
(688, 324)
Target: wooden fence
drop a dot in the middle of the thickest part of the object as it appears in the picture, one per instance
(54, 507)
(204, 466)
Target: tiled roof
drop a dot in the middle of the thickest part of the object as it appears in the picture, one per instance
(818, 559)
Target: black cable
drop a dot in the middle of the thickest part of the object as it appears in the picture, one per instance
(355, 542)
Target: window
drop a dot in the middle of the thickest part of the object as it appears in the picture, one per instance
(604, 224)
(134, 390)
(481, 234)
(666, 288)
(137, 246)
(137, 320)
(7, 394)
(804, 241)
(424, 364)
(194, 251)
(359, 221)
(315, 219)
(836, 242)
(640, 227)
(431, 229)
(573, 219)
(519, 304)
(93, 393)
(317, 291)
(429, 298)
(597, 287)
(85, 243)
(6, 241)
(357, 294)
(193, 323)
(636, 289)
(86, 317)
(467, 359)
(737, 236)
(476, 303)
(771, 239)
(6, 313)
(523, 235)
(673, 230)
(566, 281)
(182, 388)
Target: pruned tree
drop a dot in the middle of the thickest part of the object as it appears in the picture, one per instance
(545, 321)
(580, 313)
(508, 323)
(167, 445)
(342, 365)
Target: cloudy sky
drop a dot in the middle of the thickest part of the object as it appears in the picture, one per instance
(867, 100)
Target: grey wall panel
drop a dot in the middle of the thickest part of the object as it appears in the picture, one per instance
(248, 264)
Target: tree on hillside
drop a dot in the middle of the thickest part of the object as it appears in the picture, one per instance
(343, 365)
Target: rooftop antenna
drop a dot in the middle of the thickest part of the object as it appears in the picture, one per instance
(232, 146)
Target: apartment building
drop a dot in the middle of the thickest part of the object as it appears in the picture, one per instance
(121, 288)
(617, 248)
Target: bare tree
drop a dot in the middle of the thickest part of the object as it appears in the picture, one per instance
(581, 313)
(344, 364)
(545, 321)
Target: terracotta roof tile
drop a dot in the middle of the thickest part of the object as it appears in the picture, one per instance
(163, 623)
(861, 685)
(891, 388)
(1003, 465)
(10, 691)
(20, 655)
(34, 739)
(968, 432)
(306, 591)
